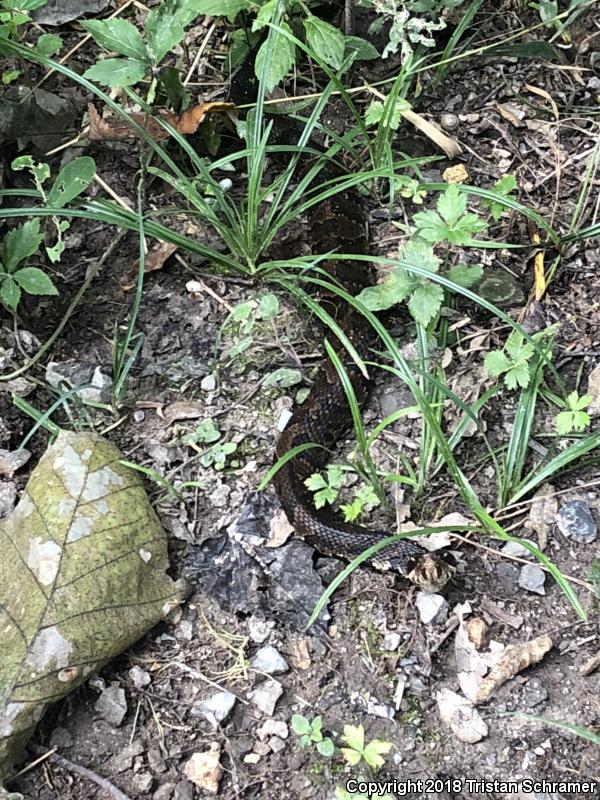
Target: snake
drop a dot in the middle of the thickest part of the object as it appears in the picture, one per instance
(338, 223)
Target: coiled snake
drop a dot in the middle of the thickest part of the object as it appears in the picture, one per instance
(338, 223)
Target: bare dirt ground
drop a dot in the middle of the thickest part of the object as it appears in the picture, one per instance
(373, 661)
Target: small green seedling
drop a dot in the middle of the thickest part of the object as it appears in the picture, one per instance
(310, 734)
(216, 455)
(357, 750)
(512, 362)
(505, 187)
(364, 500)
(16, 276)
(206, 431)
(326, 488)
(451, 222)
(14, 15)
(575, 418)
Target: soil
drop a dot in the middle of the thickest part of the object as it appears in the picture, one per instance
(370, 660)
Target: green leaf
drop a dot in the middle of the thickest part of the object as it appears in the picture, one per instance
(452, 204)
(265, 15)
(23, 5)
(351, 756)
(496, 362)
(326, 748)
(300, 725)
(269, 306)
(116, 72)
(10, 75)
(518, 375)
(354, 737)
(10, 293)
(164, 29)
(425, 302)
(21, 243)
(327, 42)
(518, 348)
(35, 281)
(284, 377)
(396, 288)
(421, 254)
(206, 431)
(177, 95)
(71, 181)
(465, 275)
(48, 44)
(569, 421)
(373, 752)
(40, 172)
(430, 226)
(83, 577)
(118, 35)
(362, 49)
(316, 724)
(220, 8)
(374, 113)
(277, 54)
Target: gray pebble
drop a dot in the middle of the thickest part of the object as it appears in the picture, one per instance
(532, 578)
(112, 705)
(575, 521)
(268, 659)
(215, 708)
(265, 696)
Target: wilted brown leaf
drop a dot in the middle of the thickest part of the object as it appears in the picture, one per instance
(155, 260)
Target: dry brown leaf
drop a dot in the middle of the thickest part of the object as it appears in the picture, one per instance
(511, 113)
(450, 146)
(298, 653)
(478, 633)
(516, 657)
(155, 260)
(186, 123)
(182, 410)
(280, 530)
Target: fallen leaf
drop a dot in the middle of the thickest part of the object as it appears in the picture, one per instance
(155, 260)
(102, 129)
(511, 113)
(516, 657)
(184, 410)
(75, 589)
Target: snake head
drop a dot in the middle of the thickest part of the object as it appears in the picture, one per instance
(431, 571)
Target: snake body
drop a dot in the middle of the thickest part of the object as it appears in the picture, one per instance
(338, 223)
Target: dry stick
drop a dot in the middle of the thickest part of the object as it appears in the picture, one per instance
(91, 273)
(501, 555)
(198, 55)
(86, 773)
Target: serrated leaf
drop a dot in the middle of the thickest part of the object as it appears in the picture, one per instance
(276, 57)
(48, 44)
(82, 577)
(374, 113)
(421, 254)
(430, 226)
(34, 281)
(395, 288)
(517, 375)
(10, 293)
(451, 205)
(351, 756)
(354, 736)
(116, 72)
(496, 363)
(315, 482)
(164, 29)
(373, 752)
(300, 725)
(117, 35)
(71, 181)
(463, 231)
(425, 302)
(21, 243)
(465, 275)
(518, 349)
(569, 421)
(327, 42)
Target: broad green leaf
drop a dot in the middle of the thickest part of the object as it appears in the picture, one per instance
(71, 181)
(117, 35)
(220, 8)
(48, 44)
(363, 49)
(116, 72)
(300, 725)
(425, 302)
(10, 294)
(266, 13)
(430, 226)
(374, 113)
(465, 275)
(34, 281)
(518, 349)
(164, 29)
(396, 288)
(269, 306)
(82, 577)
(316, 724)
(327, 42)
(276, 56)
(569, 421)
(21, 243)
(23, 5)
(326, 748)
(284, 377)
(518, 375)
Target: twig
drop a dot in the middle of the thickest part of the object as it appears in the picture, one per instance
(86, 773)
